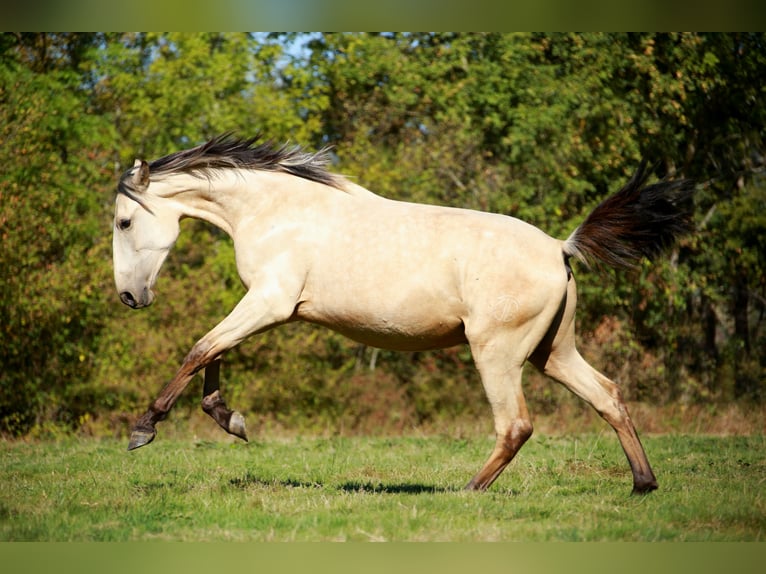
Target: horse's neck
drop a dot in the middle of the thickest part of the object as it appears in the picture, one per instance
(227, 196)
(217, 198)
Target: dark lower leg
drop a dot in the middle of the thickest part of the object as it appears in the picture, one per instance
(143, 431)
(230, 421)
(214, 405)
(506, 447)
(643, 478)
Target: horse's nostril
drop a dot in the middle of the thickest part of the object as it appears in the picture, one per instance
(127, 298)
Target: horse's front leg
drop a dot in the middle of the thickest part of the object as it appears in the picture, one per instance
(143, 431)
(259, 310)
(213, 404)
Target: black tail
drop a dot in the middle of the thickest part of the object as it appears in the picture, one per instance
(638, 221)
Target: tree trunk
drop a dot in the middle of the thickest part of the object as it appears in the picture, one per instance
(743, 382)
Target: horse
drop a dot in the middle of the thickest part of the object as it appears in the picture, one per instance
(311, 245)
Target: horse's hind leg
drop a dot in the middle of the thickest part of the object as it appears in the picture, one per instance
(604, 395)
(501, 377)
(213, 404)
(559, 359)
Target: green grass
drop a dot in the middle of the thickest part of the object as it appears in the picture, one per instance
(368, 489)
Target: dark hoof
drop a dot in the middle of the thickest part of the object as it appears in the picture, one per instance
(140, 438)
(475, 486)
(237, 426)
(644, 488)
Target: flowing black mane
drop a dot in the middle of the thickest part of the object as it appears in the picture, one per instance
(227, 151)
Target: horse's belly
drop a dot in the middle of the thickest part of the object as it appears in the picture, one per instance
(398, 331)
(403, 341)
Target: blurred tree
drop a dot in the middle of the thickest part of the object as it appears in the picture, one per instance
(538, 126)
(51, 220)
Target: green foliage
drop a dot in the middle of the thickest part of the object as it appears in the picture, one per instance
(539, 126)
(53, 257)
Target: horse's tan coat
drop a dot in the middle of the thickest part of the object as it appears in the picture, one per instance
(388, 274)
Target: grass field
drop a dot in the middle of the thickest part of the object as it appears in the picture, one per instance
(380, 489)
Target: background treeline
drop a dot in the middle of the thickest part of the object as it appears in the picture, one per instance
(538, 126)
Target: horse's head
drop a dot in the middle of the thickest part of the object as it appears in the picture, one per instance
(145, 228)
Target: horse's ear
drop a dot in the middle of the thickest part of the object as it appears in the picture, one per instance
(140, 175)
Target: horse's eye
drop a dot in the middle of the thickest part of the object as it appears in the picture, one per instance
(123, 224)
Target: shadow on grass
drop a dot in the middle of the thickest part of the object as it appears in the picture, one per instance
(250, 480)
(381, 488)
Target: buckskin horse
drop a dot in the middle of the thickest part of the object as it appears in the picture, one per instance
(313, 246)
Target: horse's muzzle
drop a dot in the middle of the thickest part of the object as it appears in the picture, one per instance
(130, 300)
